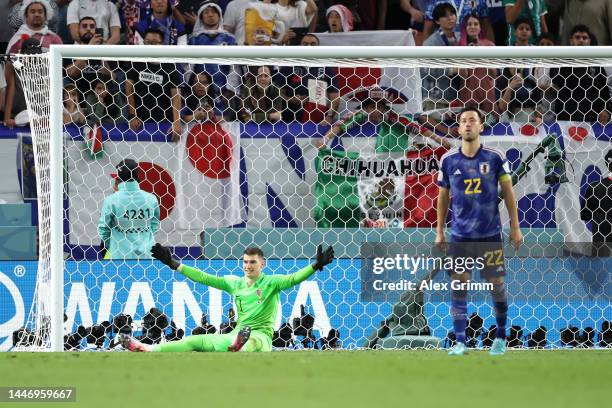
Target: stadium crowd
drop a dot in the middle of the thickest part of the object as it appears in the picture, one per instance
(111, 93)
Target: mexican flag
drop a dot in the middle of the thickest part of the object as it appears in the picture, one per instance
(377, 189)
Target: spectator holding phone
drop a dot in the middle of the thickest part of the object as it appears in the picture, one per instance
(103, 11)
(298, 16)
(85, 72)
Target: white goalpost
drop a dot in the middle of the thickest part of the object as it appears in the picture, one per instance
(280, 192)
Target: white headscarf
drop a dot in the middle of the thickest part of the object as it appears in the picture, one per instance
(44, 3)
(199, 28)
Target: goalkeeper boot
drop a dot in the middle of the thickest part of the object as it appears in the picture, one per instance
(241, 338)
(131, 344)
(498, 348)
(458, 349)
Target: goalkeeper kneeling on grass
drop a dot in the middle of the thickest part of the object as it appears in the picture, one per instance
(256, 296)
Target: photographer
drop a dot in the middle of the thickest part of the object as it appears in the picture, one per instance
(153, 326)
(122, 324)
(303, 326)
(204, 327)
(283, 338)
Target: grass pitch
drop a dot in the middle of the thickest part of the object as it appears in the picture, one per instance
(540, 379)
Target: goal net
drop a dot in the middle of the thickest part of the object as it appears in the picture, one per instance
(287, 148)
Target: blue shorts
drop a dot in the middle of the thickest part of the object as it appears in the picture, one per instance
(486, 255)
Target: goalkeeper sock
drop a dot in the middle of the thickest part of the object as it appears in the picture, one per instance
(500, 304)
(459, 313)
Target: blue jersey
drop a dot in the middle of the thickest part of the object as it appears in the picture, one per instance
(473, 184)
(497, 11)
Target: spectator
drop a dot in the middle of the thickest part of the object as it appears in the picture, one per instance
(497, 16)
(437, 85)
(35, 13)
(595, 14)
(522, 31)
(298, 83)
(130, 12)
(62, 24)
(396, 132)
(532, 10)
(104, 106)
(160, 17)
(520, 96)
(405, 14)
(129, 15)
(477, 7)
(597, 210)
(186, 12)
(478, 84)
(234, 21)
(373, 14)
(105, 13)
(445, 17)
(15, 16)
(208, 30)
(85, 72)
(541, 75)
(297, 14)
(201, 99)
(583, 94)
(73, 113)
(546, 39)
(262, 100)
(339, 19)
(152, 90)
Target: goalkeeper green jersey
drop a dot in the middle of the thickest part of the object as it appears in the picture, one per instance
(257, 305)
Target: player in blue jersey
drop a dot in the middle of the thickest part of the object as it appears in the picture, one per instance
(471, 175)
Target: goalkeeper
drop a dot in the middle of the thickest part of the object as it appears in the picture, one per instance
(256, 296)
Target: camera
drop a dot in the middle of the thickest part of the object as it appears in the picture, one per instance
(153, 326)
